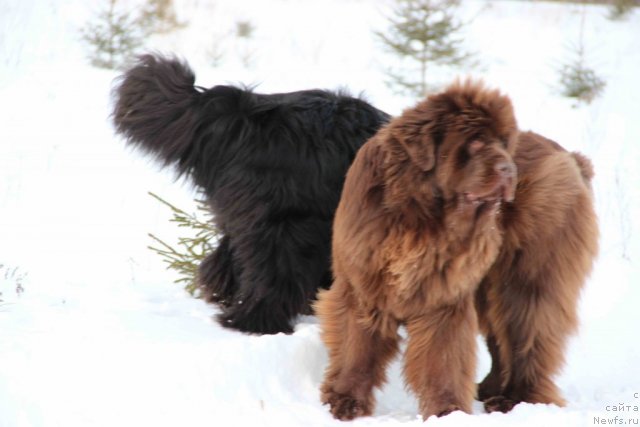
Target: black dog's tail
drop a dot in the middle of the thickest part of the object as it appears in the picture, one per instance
(156, 108)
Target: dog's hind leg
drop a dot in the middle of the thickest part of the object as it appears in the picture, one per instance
(537, 315)
(358, 353)
(536, 327)
(534, 308)
(440, 359)
(282, 267)
(532, 312)
(216, 275)
(492, 384)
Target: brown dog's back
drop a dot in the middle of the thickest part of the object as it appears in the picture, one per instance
(527, 303)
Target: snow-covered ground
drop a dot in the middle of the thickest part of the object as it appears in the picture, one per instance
(100, 336)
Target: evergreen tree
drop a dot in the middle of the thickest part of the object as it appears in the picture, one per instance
(423, 31)
(159, 16)
(113, 38)
(244, 29)
(191, 250)
(621, 9)
(244, 34)
(117, 33)
(577, 80)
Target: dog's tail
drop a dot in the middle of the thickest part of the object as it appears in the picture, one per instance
(155, 108)
(585, 166)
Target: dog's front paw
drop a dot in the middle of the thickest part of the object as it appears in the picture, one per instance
(438, 410)
(499, 404)
(448, 410)
(345, 407)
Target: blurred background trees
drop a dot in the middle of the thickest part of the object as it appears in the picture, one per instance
(118, 31)
(422, 33)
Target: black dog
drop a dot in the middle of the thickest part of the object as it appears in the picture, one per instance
(272, 168)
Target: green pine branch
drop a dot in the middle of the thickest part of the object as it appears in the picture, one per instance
(186, 256)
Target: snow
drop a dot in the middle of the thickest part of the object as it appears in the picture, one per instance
(101, 336)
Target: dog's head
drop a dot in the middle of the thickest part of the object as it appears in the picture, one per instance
(464, 136)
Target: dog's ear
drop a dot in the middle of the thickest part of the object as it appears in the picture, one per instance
(421, 148)
(419, 131)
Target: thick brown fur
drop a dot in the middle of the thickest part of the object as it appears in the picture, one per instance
(527, 303)
(432, 233)
(415, 232)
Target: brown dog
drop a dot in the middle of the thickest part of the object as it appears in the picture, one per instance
(527, 302)
(420, 224)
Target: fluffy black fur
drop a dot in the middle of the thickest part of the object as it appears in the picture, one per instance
(272, 168)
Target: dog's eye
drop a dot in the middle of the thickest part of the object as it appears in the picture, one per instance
(475, 146)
